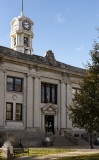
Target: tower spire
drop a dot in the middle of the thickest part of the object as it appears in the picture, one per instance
(22, 8)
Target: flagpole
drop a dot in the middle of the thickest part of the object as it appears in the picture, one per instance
(22, 8)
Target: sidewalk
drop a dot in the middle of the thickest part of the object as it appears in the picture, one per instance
(80, 150)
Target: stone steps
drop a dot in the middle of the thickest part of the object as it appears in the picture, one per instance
(82, 142)
(62, 141)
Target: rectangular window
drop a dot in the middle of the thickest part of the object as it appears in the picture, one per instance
(18, 84)
(26, 41)
(42, 93)
(74, 91)
(10, 84)
(18, 111)
(48, 93)
(15, 41)
(9, 111)
(53, 94)
(14, 84)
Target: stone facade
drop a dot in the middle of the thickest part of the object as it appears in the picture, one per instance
(34, 91)
(34, 70)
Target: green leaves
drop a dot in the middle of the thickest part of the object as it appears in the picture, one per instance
(85, 109)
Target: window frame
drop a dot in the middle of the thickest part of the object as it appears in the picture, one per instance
(9, 111)
(19, 112)
(77, 90)
(26, 41)
(45, 91)
(14, 84)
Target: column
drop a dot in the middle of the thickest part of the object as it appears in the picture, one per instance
(2, 98)
(29, 102)
(63, 105)
(25, 102)
(16, 40)
(37, 100)
(69, 100)
(58, 104)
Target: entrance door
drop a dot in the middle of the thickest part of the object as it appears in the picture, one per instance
(49, 123)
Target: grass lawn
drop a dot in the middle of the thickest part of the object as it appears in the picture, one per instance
(41, 152)
(85, 157)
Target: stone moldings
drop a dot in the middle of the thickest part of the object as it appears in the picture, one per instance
(1, 59)
(14, 97)
(49, 59)
(49, 55)
(50, 109)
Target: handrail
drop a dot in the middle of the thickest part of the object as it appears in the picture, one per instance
(71, 137)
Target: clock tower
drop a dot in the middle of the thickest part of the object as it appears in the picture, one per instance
(22, 34)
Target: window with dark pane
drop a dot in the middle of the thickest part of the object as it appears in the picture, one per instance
(54, 91)
(9, 111)
(74, 91)
(18, 111)
(15, 41)
(48, 93)
(10, 84)
(42, 93)
(18, 84)
(26, 41)
(14, 84)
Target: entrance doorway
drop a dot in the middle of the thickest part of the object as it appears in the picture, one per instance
(49, 123)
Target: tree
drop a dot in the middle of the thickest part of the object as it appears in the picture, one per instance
(84, 110)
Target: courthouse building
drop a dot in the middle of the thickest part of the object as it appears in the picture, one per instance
(34, 91)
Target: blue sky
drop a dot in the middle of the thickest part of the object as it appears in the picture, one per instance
(67, 27)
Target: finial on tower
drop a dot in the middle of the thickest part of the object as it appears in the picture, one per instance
(22, 9)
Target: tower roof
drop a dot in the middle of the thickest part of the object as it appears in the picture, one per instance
(21, 17)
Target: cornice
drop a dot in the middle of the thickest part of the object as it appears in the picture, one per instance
(38, 61)
(1, 59)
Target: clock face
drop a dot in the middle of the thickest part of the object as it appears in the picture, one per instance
(26, 25)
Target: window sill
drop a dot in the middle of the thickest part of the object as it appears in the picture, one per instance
(48, 102)
(14, 92)
(14, 121)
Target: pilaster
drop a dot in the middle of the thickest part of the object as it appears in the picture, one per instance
(69, 100)
(2, 97)
(37, 99)
(59, 106)
(25, 102)
(63, 105)
(29, 102)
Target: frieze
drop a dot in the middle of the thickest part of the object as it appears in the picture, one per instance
(30, 67)
(1, 60)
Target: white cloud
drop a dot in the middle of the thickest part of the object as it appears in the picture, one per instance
(60, 19)
(80, 48)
